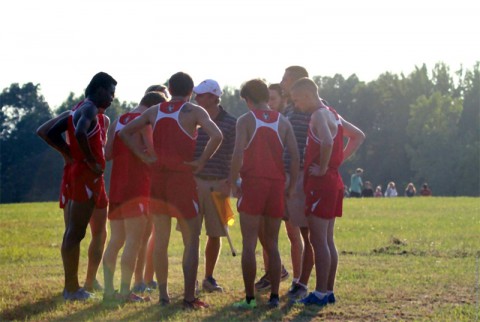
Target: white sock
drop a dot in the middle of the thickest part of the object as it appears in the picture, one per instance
(295, 280)
(329, 292)
(320, 295)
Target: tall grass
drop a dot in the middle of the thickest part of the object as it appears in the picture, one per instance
(400, 259)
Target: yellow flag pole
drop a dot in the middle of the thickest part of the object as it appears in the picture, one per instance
(220, 201)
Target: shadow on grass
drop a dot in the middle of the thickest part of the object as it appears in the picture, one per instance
(28, 310)
(286, 312)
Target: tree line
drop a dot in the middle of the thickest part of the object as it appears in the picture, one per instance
(420, 127)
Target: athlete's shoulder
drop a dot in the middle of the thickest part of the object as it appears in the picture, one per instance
(86, 104)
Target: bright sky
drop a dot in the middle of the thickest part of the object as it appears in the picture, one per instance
(62, 44)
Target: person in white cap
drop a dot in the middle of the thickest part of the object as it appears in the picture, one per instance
(214, 175)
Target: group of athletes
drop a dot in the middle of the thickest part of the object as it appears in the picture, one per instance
(168, 155)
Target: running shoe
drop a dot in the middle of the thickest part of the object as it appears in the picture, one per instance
(273, 303)
(292, 286)
(140, 288)
(129, 298)
(78, 295)
(244, 305)
(134, 298)
(210, 285)
(312, 299)
(331, 298)
(152, 285)
(297, 292)
(196, 304)
(263, 284)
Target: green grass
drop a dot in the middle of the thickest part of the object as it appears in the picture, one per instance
(400, 259)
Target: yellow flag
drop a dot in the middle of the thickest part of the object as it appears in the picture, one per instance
(222, 203)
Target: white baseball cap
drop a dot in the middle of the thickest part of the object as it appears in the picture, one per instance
(208, 86)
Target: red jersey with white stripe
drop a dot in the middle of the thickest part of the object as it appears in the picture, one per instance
(312, 154)
(95, 139)
(263, 155)
(130, 176)
(86, 184)
(173, 145)
(102, 121)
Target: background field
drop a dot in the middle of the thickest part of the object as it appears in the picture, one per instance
(400, 259)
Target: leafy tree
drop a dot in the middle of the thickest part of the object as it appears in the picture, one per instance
(23, 109)
(433, 128)
(468, 176)
(232, 102)
(69, 103)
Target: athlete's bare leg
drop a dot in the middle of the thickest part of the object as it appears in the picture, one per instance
(80, 213)
(318, 237)
(307, 260)
(66, 213)
(117, 239)
(162, 224)
(333, 256)
(212, 251)
(296, 248)
(149, 265)
(134, 231)
(142, 254)
(191, 240)
(249, 225)
(272, 228)
(261, 238)
(98, 228)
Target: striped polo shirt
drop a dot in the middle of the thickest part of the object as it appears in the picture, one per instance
(219, 164)
(300, 122)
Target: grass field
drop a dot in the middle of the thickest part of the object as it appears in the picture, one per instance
(400, 259)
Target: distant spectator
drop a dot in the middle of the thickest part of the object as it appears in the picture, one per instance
(410, 191)
(391, 190)
(425, 191)
(356, 183)
(378, 192)
(346, 192)
(367, 190)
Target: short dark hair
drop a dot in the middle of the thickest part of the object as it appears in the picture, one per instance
(255, 90)
(156, 88)
(277, 88)
(100, 80)
(297, 71)
(153, 98)
(180, 84)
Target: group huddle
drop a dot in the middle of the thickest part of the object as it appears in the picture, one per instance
(171, 158)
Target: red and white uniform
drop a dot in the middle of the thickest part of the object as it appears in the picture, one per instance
(262, 172)
(130, 178)
(65, 185)
(324, 194)
(85, 184)
(173, 188)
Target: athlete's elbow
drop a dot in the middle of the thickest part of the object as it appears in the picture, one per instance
(41, 133)
(218, 138)
(360, 137)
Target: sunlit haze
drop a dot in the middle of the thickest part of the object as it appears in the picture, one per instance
(62, 44)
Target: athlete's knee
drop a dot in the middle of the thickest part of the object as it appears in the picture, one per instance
(75, 235)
